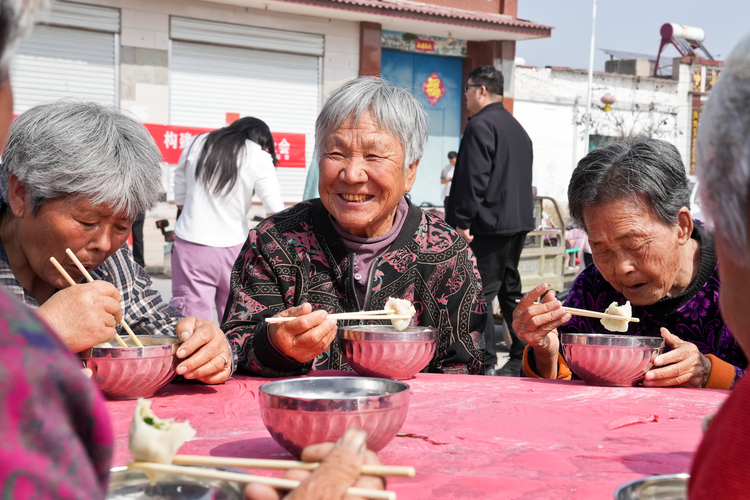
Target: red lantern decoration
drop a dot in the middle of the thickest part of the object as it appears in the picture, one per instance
(608, 100)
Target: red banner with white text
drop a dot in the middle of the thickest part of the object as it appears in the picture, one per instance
(171, 140)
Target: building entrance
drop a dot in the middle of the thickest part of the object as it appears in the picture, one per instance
(436, 83)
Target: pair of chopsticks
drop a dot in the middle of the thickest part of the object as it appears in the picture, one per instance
(279, 483)
(379, 314)
(90, 279)
(259, 463)
(593, 314)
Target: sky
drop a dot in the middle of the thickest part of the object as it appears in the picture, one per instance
(629, 25)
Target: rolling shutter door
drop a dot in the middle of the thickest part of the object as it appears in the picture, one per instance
(280, 88)
(60, 61)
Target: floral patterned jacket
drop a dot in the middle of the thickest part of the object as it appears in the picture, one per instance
(692, 315)
(296, 256)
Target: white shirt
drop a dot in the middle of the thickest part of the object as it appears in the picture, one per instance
(221, 221)
(447, 173)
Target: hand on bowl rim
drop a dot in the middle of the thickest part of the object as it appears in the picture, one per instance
(339, 470)
(307, 337)
(683, 366)
(209, 357)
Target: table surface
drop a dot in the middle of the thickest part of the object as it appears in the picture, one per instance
(474, 436)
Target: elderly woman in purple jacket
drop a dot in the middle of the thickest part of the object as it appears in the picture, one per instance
(359, 244)
(632, 198)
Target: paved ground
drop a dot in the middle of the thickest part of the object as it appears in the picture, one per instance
(153, 243)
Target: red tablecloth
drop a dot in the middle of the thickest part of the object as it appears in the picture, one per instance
(477, 437)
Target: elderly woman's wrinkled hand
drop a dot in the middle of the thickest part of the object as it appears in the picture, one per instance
(209, 358)
(84, 315)
(339, 469)
(683, 366)
(305, 338)
(536, 324)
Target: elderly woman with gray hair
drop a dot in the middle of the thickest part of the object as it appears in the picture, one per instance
(359, 244)
(75, 175)
(632, 199)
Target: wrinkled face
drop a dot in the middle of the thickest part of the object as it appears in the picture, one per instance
(733, 295)
(92, 232)
(362, 177)
(635, 252)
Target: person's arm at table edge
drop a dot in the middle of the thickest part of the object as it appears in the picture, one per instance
(147, 313)
(474, 166)
(723, 374)
(248, 336)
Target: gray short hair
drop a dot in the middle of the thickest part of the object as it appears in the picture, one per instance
(394, 109)
(16, 19)
(83, 149)
(640, 166)
(722, 152)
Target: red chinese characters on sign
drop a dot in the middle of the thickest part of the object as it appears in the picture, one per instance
(433, 88)
(290, 149)
(171, 140)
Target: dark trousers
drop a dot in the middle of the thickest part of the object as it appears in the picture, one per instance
(497, 260)
(138, 240)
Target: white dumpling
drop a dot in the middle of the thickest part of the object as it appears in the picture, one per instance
(618, 325)
(401, 307)
(153, 439)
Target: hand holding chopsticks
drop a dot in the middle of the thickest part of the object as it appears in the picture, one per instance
(594, 314)
(90, 279)
(73, 283)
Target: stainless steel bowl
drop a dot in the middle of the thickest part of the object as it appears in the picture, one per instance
(610, 360)
(303, 411)
(666, 487)
(382, 351)
(133, 372)
(134, 485)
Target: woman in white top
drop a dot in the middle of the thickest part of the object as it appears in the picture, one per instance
(214, 185)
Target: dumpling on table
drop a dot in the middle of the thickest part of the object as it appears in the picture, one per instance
(401, 307)
(618, 325)
(153, 439)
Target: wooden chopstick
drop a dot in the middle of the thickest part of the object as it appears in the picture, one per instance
(281, 484)
(593, 314)
(364, 315)
(257, 463)
(90, 279)
(73, 283)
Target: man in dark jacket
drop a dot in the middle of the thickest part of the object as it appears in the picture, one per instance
(492, 202)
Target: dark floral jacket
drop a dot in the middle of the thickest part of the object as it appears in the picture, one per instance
(692, 315)
(296, 256)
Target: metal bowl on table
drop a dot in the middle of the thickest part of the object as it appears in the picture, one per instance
(133, 372)
(304, 411)
(382, 351)
(666, 487)
(608, 359)
(135, 485)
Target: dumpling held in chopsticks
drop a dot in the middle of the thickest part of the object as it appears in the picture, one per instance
(618, 325)
(153, 439)
(401, 307)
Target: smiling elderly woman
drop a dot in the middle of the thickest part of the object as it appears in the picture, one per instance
(75, 175)
(359, 244)
(632, 199)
